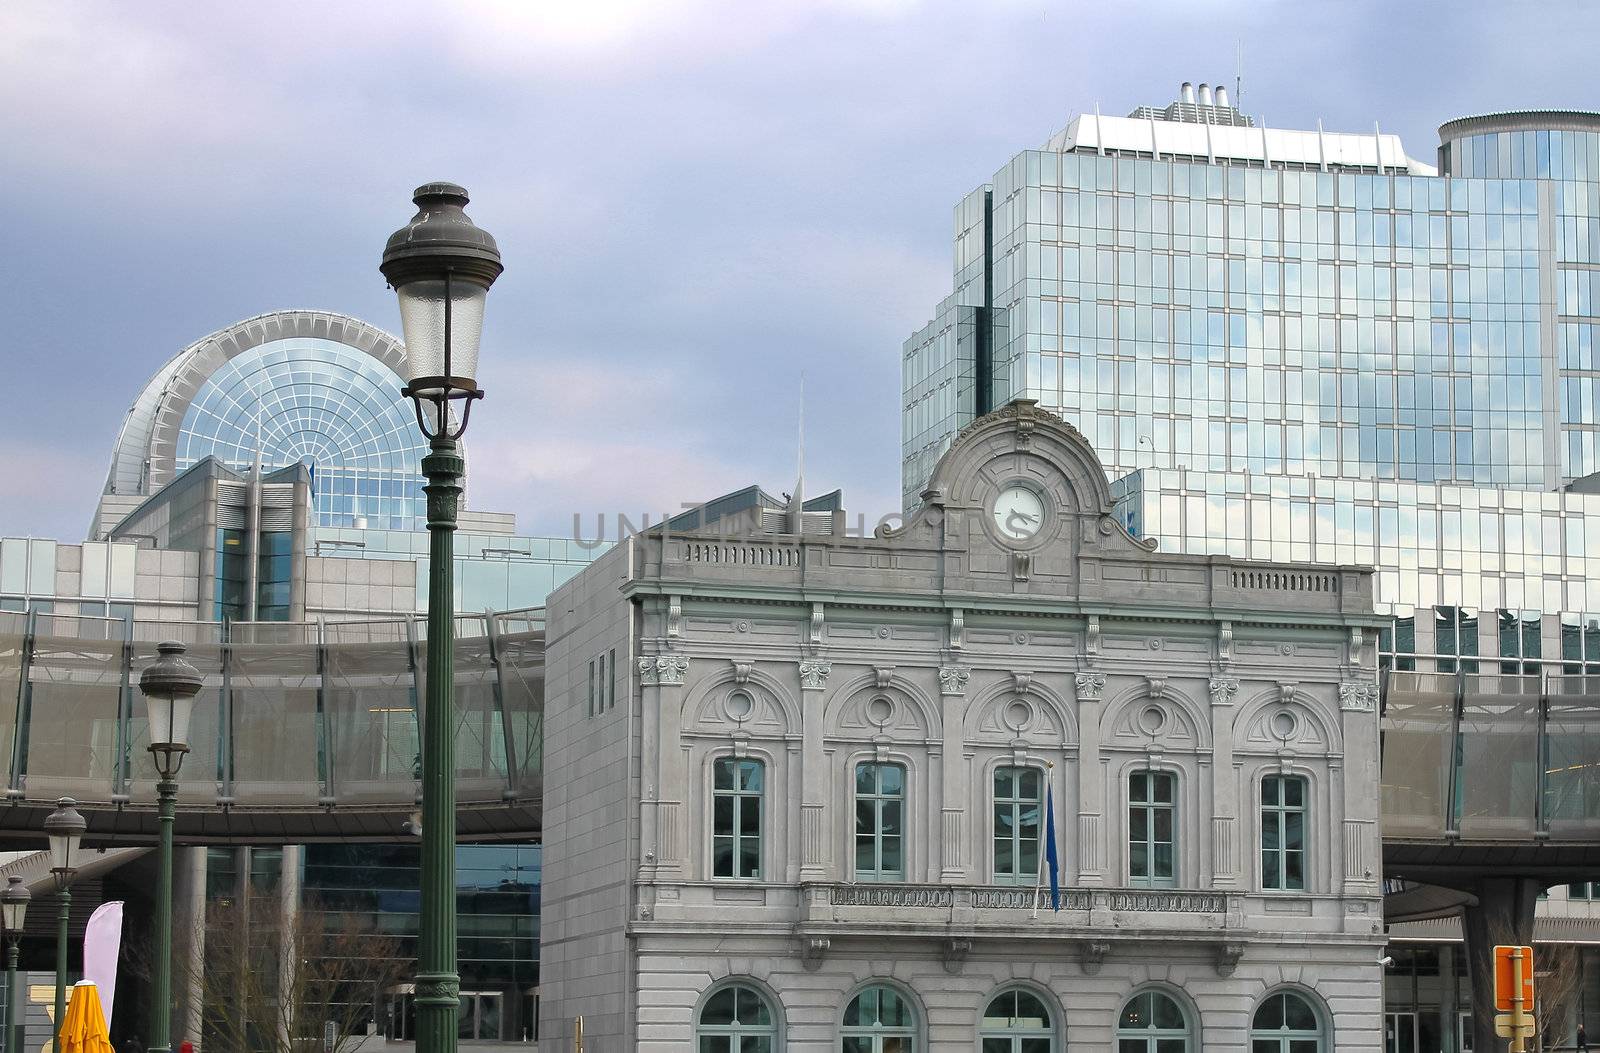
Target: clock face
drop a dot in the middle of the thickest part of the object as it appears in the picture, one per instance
(1019, 512)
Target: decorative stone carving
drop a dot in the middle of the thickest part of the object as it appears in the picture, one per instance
(1091, 639)
(1091, 955)
(1157, 687)
(1223, 688)
(1358, 696)
(1021, 682)
(671, 668)
(647, 672)
(814, 673)
(955, 953)
(812, 950)
(816, 623)
(674, 616)
(1225, 644)
(1021, 565)
(1156, 643)
(1288, 692)
(1089, 686)
(881, 675)
(741, 672)
(953, 679)
(1228, 955)
(958, 629)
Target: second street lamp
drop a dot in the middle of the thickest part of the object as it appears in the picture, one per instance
(13, 913)
(441, 266)
(64, 827)
(169, 685)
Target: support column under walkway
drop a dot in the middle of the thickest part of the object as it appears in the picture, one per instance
(1503, 914)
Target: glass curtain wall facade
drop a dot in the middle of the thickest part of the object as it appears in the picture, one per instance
(1307, 346)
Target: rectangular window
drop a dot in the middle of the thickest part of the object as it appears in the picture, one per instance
(1283, 833)
(880, 822)
(1584, 890)
(1151, 841)
(611, 679)
(1018, 811)
(736, 792)
(600, 683)
(591, 687)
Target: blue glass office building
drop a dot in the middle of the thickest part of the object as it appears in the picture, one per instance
(1307, 345)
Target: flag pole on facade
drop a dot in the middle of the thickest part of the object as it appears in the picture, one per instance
(1049, 859)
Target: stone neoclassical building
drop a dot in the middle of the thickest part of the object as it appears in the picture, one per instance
(798, 785)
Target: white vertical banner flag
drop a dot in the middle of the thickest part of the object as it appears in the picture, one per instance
(102, 942)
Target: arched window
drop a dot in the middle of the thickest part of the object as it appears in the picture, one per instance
(1152, 1022)
(879, 1020)
(736, 1019)
(1016, 1021)
(1286, 1023)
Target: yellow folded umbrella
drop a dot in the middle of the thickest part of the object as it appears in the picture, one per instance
(84, 1029)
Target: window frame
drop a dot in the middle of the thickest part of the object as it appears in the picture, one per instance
(1151, 1035)
(1282, 812)
(1283, 1036)
(877, 1034)
(1151, 807)
(1051, 1031)
(736, 1032)
(737, 794)
(878, 799)
(1017, 877)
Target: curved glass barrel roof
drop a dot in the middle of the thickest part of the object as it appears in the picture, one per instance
(312, 387)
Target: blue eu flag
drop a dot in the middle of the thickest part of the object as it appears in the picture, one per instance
(1052, 860)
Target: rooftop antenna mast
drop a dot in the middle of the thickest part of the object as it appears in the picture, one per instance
(1238, 74)
(798, 498)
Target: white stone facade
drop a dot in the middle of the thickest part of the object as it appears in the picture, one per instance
(952, 650)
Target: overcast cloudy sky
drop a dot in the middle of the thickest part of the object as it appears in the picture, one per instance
(695, 200)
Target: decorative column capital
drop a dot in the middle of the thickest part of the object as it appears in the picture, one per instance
(664, 670)
(1358, 696)
(1089, 686)
(953, 679)
(1223, 688)
(814, 673)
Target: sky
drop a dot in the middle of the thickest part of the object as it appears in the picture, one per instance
(697, 202)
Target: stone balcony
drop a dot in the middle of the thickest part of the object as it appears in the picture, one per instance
(1220, 922)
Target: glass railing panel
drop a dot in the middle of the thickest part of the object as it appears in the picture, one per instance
(371, 714)
(480, 733)
(274, 728)
(200, 777)
(13, 626)
(1572, 757)
(1418, 751)
(1499, 775)
(74, 702)
(521, 657)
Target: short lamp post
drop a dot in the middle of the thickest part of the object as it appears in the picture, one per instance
(169, 685)
(64, 827)
(13, 913)
(440, 265)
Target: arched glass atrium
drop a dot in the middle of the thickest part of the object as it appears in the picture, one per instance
(325, 404)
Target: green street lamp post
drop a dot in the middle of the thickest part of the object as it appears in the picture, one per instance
(169, 685)
(64, 827)
(440, 266)
(13, 912)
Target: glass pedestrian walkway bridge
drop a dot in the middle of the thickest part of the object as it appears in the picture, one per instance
(1491, 771)
(303, 731)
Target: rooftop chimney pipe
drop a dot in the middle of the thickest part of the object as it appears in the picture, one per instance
(1186, 93)
(1205, 95)
(1222, 95)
